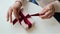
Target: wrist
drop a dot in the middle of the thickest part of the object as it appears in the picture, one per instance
(19, 2)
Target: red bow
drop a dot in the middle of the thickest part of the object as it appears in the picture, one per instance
(25, 19)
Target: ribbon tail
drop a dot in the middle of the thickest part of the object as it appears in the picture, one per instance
(14, 21)
(35, 14)
(28, 23)
(20, 19)
(28, 16)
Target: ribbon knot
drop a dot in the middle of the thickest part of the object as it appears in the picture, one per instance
(25, 18)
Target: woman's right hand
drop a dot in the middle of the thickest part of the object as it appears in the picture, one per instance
(14, 8)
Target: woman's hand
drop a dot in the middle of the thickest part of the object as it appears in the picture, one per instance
(47, 12)
(13, 8)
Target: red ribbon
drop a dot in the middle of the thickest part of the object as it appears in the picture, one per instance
(25, 18)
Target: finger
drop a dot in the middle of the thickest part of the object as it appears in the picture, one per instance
(16, 14)
(10, 15)
(50, 15)
(46, 14)
(43, 11)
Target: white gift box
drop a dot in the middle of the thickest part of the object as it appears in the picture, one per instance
(43, 26)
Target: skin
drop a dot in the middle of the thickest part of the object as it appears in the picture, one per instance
(47, 12)
(13, 9)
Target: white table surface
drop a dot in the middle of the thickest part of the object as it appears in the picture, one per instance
(42, 26)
